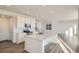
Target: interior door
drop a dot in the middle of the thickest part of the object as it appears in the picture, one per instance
(4, 28)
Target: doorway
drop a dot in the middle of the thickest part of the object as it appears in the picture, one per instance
(6, 28)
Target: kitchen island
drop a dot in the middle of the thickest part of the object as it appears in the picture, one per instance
(36, 43)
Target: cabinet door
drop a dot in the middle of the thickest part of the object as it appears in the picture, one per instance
(31, 21)
(21, 37)
(33, 45)
(20, 22)
(32, 24)
(27, 20)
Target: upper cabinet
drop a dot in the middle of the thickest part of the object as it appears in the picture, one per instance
(25, 20)
(32, 24)
(20, 22)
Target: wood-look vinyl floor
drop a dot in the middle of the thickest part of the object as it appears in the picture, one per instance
(9, 47)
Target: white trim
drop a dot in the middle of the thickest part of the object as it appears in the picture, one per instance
(64, 46)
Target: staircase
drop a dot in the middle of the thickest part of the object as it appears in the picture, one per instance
(68, 40)
(53, 48)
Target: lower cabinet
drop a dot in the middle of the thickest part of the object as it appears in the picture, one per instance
(34, 45)
(20, 38)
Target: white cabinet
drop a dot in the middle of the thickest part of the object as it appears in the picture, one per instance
(20, 25)
(34, 46)
(20, 22)
(32, 24)
(20, 37)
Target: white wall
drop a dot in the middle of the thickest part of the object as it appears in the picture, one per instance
(61, 27)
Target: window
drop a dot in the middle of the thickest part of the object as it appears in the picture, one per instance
(67, 33)
(71, 32)
(48, 27)
(75, 29)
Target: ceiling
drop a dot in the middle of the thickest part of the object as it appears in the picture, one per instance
(45, 13)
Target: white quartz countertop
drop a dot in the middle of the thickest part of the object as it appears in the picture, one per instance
(39, 37)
